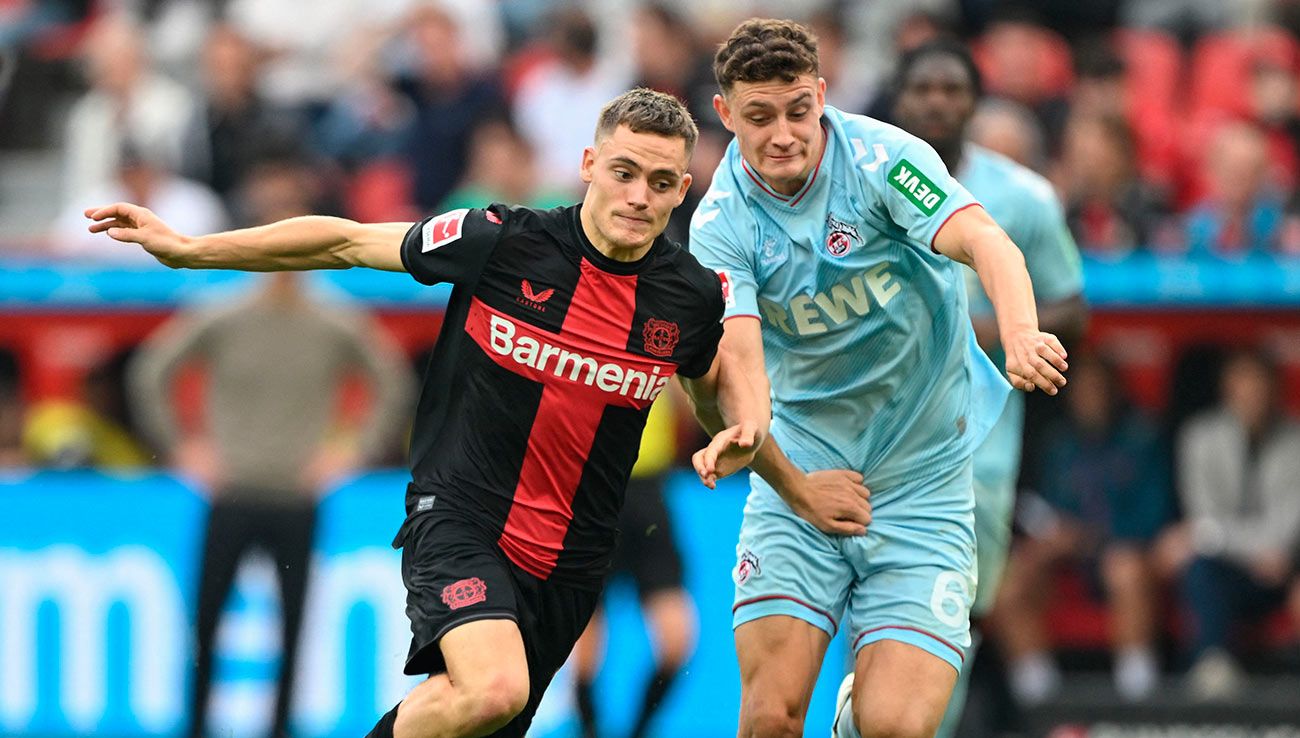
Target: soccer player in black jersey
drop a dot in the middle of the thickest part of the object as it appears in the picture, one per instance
(562, 328)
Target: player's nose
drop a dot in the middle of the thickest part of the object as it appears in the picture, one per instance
(638, 194)
(783, 138)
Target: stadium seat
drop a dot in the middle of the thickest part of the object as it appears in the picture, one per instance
(1153, 79)
(381, 192)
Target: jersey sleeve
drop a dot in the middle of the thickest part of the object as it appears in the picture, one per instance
(716, 244)
(710, 336)
(454, 246)
(1051, 254)
(918, 192)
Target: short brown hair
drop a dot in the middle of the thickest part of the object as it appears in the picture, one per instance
(762, 49)
(647, 111)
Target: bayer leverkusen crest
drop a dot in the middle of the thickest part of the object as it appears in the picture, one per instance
(660, 337)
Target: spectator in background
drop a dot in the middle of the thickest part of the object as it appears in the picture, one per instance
(1009, 129)
(846, 87)
(648, 553)
(450, 102)
(1104, 498)
(669, 57)
(1110, 209)
(1238, 470)
(1273, 95)
(502, 168)
(276, 363)
(557, 101)
(127, 101)
(11, 411)
(1099, 91)
(143, 178)
(97, 430)
(236, 122)
(1243, 210)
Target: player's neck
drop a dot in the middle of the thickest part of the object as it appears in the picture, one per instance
(604, 246)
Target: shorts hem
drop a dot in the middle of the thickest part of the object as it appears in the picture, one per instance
(913, 636)
(446, 628)
(755, 608)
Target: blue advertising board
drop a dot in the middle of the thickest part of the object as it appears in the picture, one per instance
(98, 578)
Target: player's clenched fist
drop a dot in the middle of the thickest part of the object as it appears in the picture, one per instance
(134, 224)
(834, 500)
(1035, 360)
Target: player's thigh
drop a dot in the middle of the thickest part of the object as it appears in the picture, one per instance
(454, 576)
(487, 657)
(900, 690)
(780, 657)
(786, 566)
(917, 571)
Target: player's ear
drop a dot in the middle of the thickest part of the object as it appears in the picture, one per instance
(821, 93)
(682, 189)
(588, 170)
(724, 111)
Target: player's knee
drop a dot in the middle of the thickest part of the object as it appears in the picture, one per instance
(902, 723)
(772, 720)
(498, 699)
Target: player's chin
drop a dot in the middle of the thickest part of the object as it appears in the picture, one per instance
(787, 168)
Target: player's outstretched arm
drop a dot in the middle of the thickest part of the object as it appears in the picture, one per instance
(296, 244)
(1034, 359)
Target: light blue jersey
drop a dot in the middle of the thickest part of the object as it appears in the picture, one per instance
(1026, 206)
(866, 333)
(874, 367)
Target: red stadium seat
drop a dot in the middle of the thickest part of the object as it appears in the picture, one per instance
(1221, 67)
(382, 192)
(1153, 64)
(1024, 62)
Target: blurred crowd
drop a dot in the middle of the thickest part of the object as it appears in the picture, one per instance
(1169, 126)
(1166, 125)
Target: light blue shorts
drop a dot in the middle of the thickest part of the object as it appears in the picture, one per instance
(911, 578)
(996, 467)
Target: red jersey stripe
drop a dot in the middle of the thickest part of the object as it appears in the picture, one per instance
(600, 312)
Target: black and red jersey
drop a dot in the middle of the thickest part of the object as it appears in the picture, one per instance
(550, 355)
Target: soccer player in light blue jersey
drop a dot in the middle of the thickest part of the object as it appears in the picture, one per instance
(938, 86)
(840, 241)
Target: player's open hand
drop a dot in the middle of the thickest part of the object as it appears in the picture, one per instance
(834, 500)
(130, 223)
(1035, 360)
(730, 451)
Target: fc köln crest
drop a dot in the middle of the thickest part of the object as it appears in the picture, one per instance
(841, 238)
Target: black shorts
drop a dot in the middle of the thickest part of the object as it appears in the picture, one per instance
(646, 547)
(455, 574)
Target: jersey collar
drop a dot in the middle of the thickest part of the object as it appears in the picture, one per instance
(604, 263)
(796, 198)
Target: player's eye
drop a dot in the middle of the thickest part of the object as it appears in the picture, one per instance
(663, 185)
(623, 175)
(798, 114)
(758, 120)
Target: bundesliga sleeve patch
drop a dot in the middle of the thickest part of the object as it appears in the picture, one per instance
(916, 187)
(728, 297)
(443, 229)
